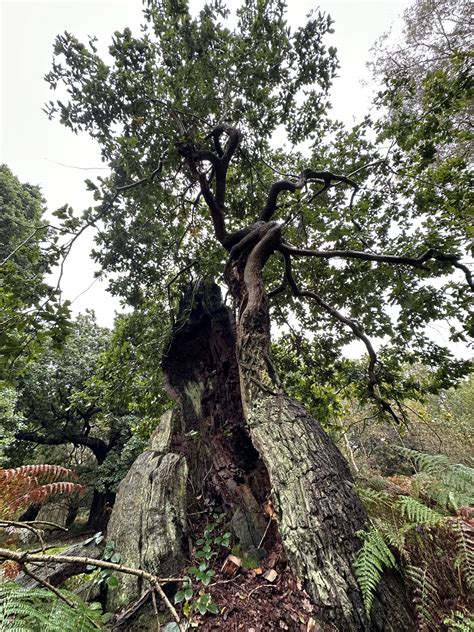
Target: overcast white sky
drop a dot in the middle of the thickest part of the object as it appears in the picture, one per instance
(45, 153)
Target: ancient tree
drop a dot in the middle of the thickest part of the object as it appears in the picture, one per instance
(186, 117)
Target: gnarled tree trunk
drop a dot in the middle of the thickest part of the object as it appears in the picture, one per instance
(243, 441)
(318, 510)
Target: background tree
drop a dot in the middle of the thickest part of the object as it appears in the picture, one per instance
(184, 115)
(56, 406)
(31, 311)
(427, 95)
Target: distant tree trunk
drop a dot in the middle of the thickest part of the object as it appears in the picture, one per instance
(99, 512)
(72, 512)
(30, 513)
(251, 442)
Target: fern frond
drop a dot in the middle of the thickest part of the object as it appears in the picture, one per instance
(458, 477)
(429, 463)
(427, 601)
(417, 512)
(28, 484)
(42, 492)
(42, 471)
(371, 496)
(465, 551)
(459, 622)
(373, 558)
(392, 534)
(39, 610)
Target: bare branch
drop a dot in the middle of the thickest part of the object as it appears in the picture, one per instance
(49, 586)
(356, 330)
(97, 445)
(225, 154)
(417, 262)
(146, 180)
(23, 243)
(220, 162)
(6, 524)
(23, 557)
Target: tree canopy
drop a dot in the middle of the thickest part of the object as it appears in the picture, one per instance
(201, 123)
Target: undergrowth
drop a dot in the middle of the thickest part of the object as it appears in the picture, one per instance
(423, 526)
(39, 610)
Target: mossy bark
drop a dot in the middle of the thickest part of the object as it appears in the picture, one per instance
(149, 521)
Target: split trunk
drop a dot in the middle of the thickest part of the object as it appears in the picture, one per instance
(245, 445)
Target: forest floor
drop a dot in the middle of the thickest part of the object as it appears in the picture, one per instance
(262, 599)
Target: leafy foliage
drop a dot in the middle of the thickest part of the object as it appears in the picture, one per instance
(38, 610)
(373, 558)
(31, 311)
(418, 512)
(172, 85)
(459, 622)
(449, 484)
(427, 601)
(192, 593)
(79, 396)
(412, 517)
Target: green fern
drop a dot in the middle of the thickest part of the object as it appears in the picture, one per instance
(39, 610)
(417, 512)
(373, 558)
(394, 535)
(465, 551)
(429, 463)
(371, 496)
(452, 483)
(459, 622)
(427, 602)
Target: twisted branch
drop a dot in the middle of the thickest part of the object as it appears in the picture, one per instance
(307, 176)
(220, 163)
(416, 262)
(356, 330)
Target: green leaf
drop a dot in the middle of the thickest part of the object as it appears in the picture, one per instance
(112, 581)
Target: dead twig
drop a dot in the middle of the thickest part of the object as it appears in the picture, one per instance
(23, 557)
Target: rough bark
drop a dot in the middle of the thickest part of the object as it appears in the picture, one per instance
(318, 510)
(203, 377)
(243, 440)
(148, 521)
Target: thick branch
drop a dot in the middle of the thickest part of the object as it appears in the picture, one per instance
(220, 162)
(308, 175)
(98, 447)
(417, 262)
(234, 136)
(214, 202)
(270, 235)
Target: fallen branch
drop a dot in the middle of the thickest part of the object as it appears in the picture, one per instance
(23, 557)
